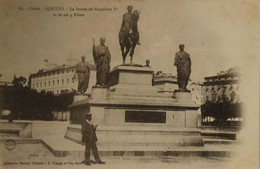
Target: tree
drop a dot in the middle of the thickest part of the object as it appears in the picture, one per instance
(19, 81)
(221, 111)
(26, 103)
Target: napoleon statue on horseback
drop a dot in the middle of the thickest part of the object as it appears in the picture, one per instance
(129, 35)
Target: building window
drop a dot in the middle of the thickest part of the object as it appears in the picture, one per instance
(41, 84)
(67, 81)
(214, 97)
(219, 98)
(49, 83)
(218, 87)
(53, 82)
(57, 91)
(232, 96)
(231, 87)
(68, 71)
(58, 82)
(62, 81)
(72, 80)
(224, 97)
(44, 84)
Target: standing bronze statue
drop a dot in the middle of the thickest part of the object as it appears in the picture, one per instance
(102, 60)
(82, 74)
(183, 63)
(129, 35)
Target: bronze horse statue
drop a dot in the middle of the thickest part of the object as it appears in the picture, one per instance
(128, 39)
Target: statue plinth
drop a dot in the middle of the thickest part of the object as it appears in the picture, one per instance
(79, 97)
(99, 92)
(180, 96)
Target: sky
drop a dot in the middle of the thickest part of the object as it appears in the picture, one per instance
(217, 34)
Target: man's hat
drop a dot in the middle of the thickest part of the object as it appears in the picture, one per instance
(88, 115)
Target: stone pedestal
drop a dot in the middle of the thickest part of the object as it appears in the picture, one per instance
(184, 97)
(99, 93)
(132, 114)
(78, 98)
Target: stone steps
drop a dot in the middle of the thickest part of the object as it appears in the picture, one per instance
(219, 141)
(155, 151)
(219, 135)
(144, 99)
(139, 94)
(22, 140)
(20, 129)
(9, 134)
(141, 136)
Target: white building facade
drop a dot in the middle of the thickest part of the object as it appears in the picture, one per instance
(60, 79)
(224, 86)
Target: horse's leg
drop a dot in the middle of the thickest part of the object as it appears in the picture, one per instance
(127, 51)
(132, 52)
(122, 50)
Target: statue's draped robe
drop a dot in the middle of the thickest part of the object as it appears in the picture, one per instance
(83, 73)
(183, 63)
(102, 60)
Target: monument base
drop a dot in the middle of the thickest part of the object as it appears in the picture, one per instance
(132, 114)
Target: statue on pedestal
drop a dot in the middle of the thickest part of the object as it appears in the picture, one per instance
(183, 63)
(102, 60)
(129, 35)
(82, 74)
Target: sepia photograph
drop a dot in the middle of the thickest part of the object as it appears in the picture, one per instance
(135, 84)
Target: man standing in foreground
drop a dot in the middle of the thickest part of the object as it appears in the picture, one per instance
(89, 138)
(102, 60)
(183, 63)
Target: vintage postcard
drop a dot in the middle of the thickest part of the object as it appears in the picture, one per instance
(129, 84)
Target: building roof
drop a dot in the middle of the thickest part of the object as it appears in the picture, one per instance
(59, 68)
(5, 83)
(231, 76)
(232, 72)
(222, 76)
